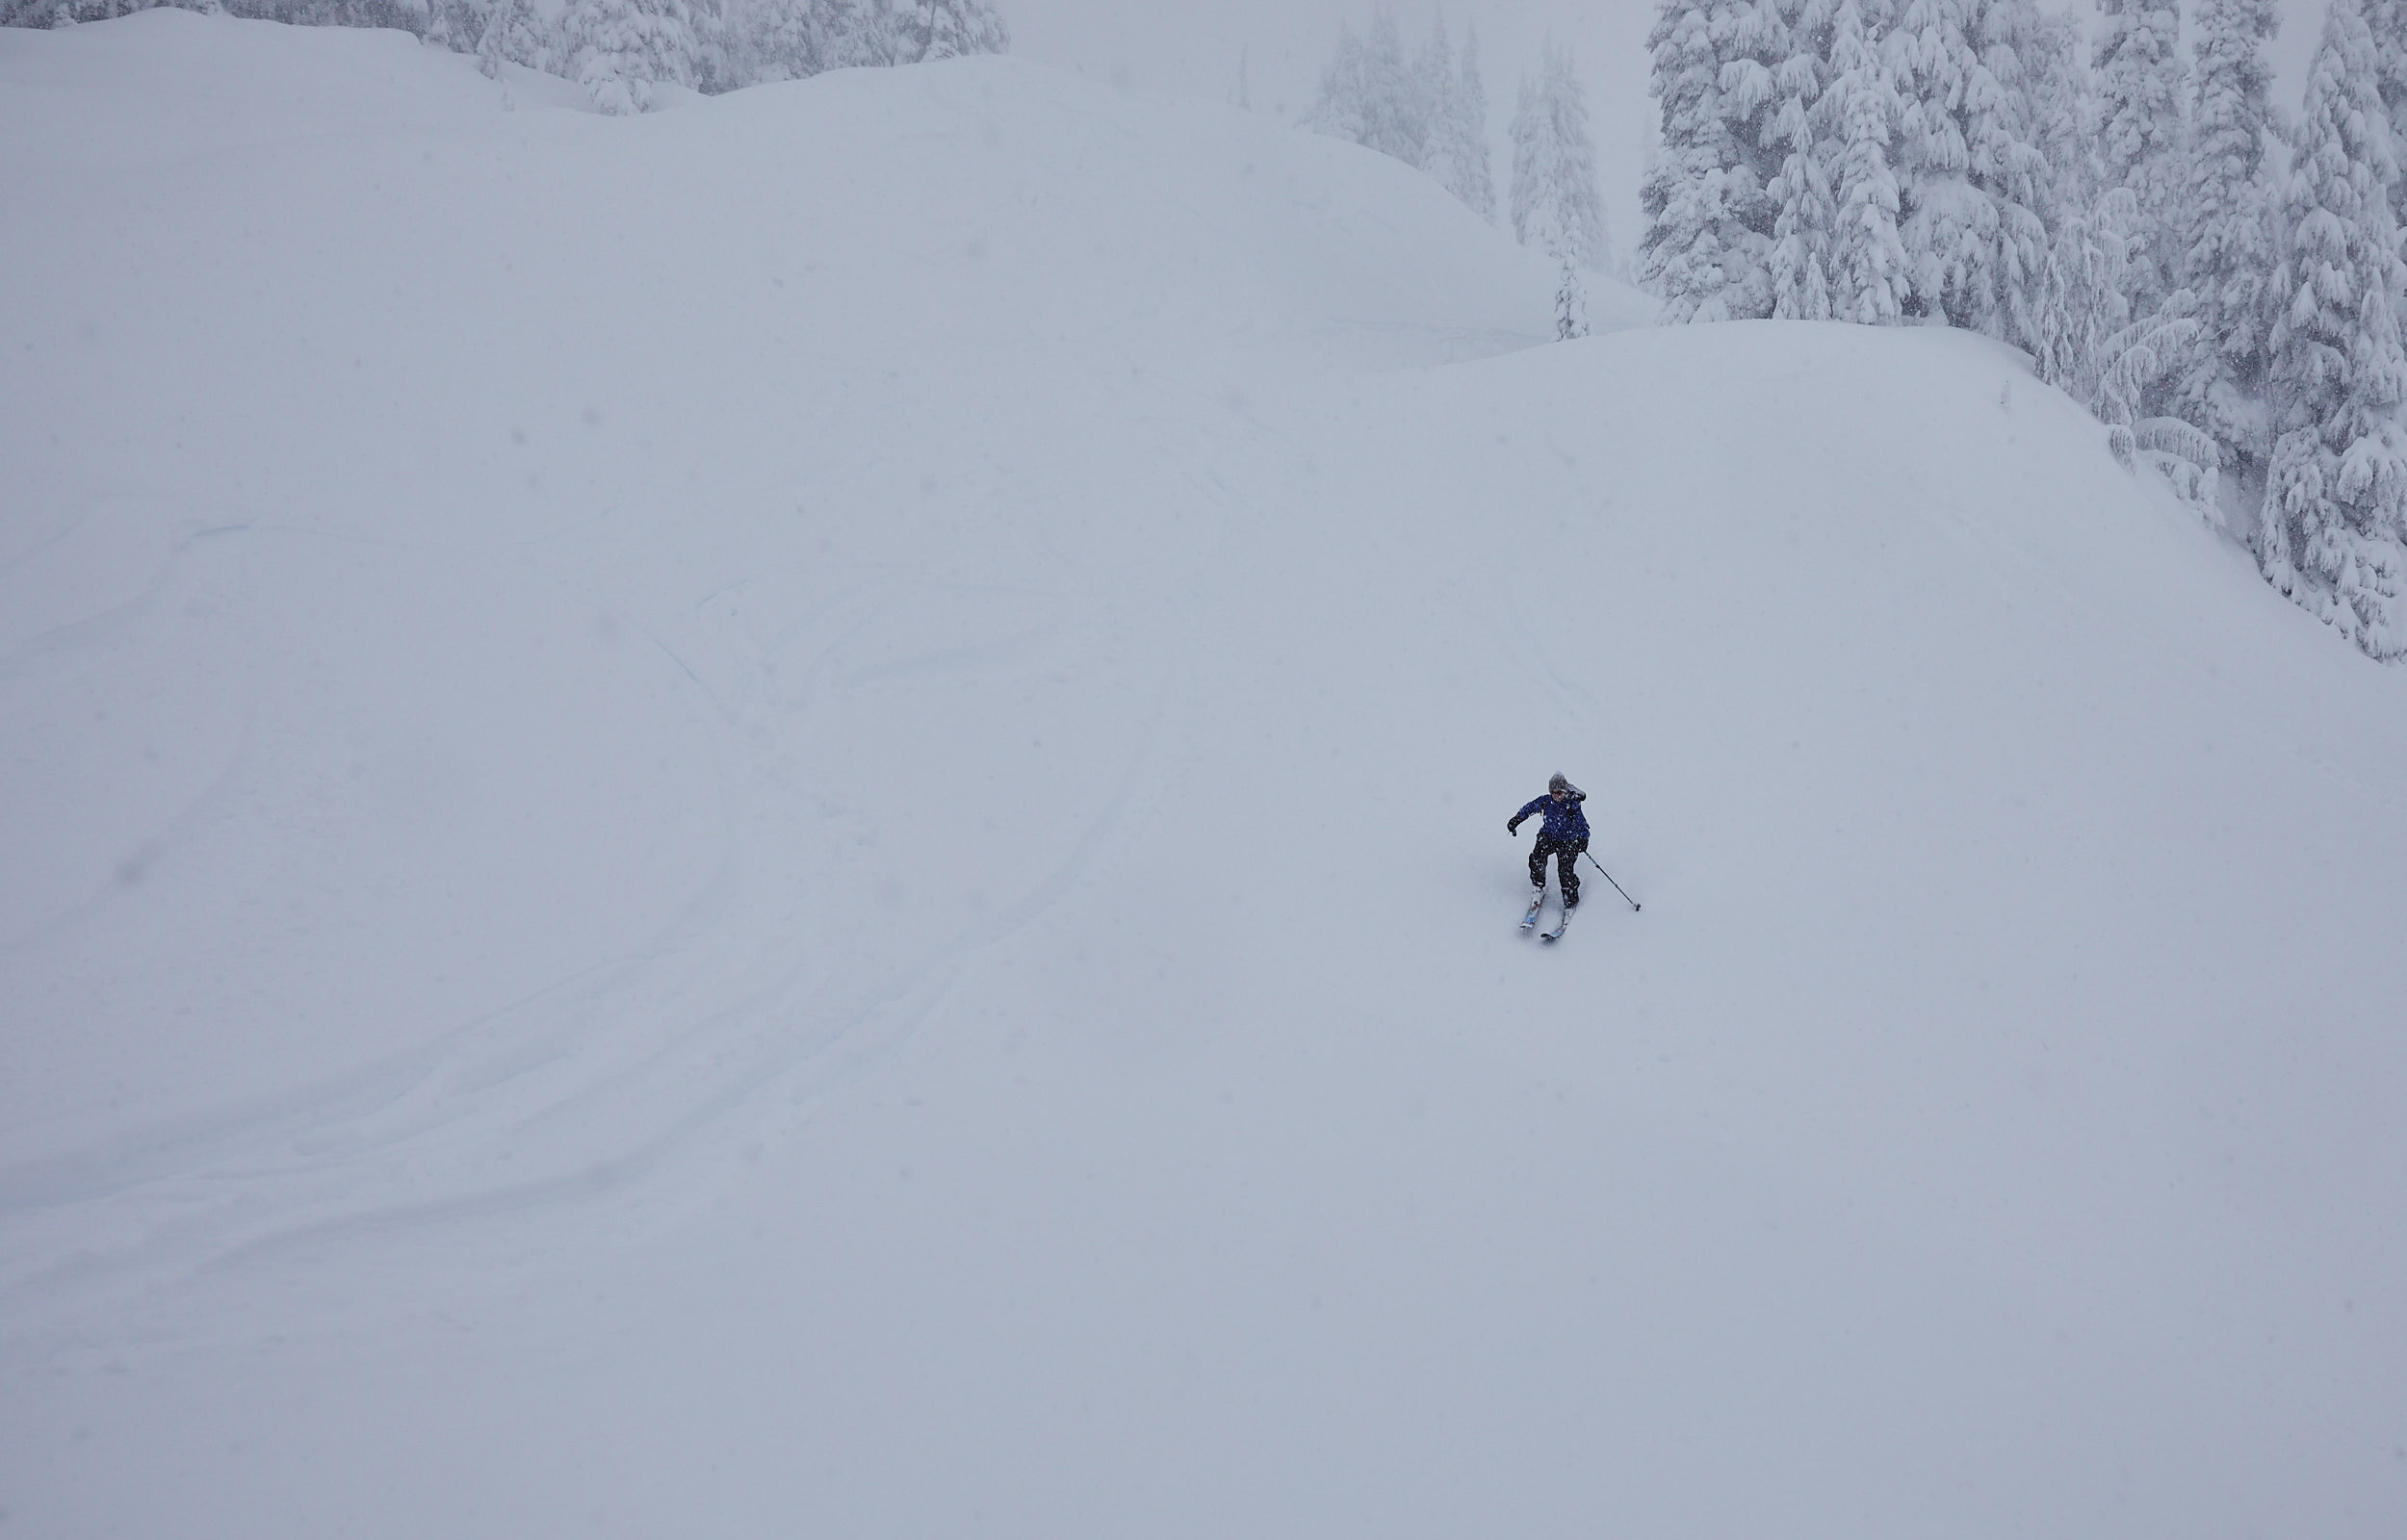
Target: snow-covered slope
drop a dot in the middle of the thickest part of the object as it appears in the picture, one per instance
(785, 819)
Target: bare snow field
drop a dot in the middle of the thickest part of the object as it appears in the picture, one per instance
(785, 819)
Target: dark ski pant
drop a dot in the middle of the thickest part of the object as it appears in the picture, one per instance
(1566, 867)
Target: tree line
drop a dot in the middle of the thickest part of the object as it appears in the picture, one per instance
(621, 51)
(1430, 112)
(2222, 285)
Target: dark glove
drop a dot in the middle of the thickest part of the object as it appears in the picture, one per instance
(1580, 849)
(1512, 826)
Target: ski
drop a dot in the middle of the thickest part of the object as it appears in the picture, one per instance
(1556, 935)
(1529, 921)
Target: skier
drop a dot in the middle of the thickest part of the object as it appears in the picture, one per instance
(1563, 836)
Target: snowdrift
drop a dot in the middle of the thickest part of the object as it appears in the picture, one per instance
(785, 819)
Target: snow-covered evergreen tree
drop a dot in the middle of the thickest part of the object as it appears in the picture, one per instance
(1802, 127)
(1942, 221)
(1709, 221)
(453, 24)
(1370, 96)
(1971, 180)
(1869, 281)
(1557, 206)
(514, 33)
(2334, 512)
(1764, 61)
(949, 29)
(2087, 298)
(857, 34)
(622, 49)
(1432, 92)
(2002, 138)
(2057, 80)
(1455, 107)
(1429, 114)
(1474, 182)
(2137, 76)
(778, 39)
(1340, 109)
(2226, 224)
(2386, 21)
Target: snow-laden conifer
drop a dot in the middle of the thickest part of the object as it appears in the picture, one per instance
(1943, 222)
(778, 39)
(1764, 59)
(1969, 178)
(2088, 342)
(2335, 513)
(2055, 78)
(1801, 191)
(1557, 206)
(1869, 282)
(1709, 221)
(2386, 21)
(622, 49)
(1430, 113)
(1433, 83)
(1338, 109)
(949, 29)
(1457, 139)
(856, 34)
(514, 33)
(2225, 222)
(2005, 161)
(1370, 96)
(2137, 76)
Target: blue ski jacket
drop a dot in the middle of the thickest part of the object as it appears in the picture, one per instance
(1566, 824)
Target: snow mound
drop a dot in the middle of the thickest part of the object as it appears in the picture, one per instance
(788, 814)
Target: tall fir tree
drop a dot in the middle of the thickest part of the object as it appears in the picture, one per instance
(2226, 247)
(1455, 109)
(2057, 81)
(1869, 281)
(2331, 530)
(1969, 172)
(2086, 299)
(622, 50)
(1470, 175)
(779, 39)
(949, 29)
(2386, 21)
(1338, 109)
(1428, 114)
(2007, 163)
(1803, 126)
(1763, 57)
(1557, 206)
(513, 32)
(1370, 96)
(2138, 72)
(1709, 220)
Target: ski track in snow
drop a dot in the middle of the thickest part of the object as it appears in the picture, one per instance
(576, 1094)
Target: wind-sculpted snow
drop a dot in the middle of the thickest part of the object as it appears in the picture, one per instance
(785, 818)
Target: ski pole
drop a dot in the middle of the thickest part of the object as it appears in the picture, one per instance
(1634, 904)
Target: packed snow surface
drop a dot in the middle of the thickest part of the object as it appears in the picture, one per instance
(787, 819)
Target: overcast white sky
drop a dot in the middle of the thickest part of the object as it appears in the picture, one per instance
(1187, 48)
